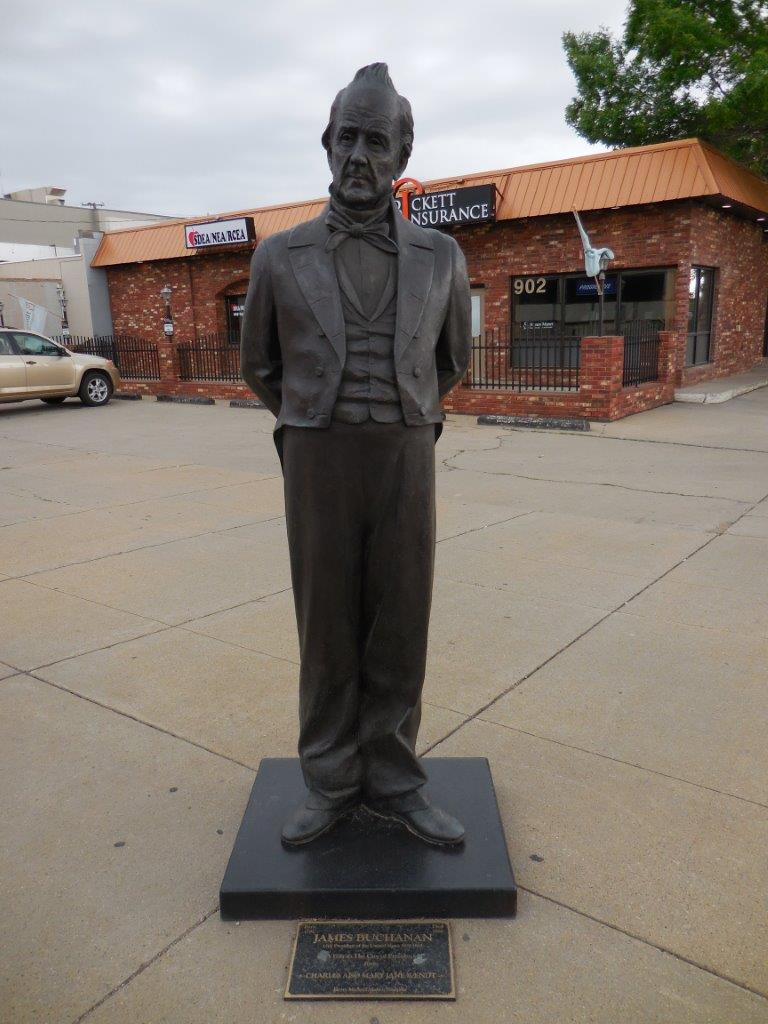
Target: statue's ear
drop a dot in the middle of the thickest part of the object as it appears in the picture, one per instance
(405, 154)
(325, 139)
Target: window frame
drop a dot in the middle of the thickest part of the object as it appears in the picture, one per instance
(33, 334)
(692, 336)
(479, 291)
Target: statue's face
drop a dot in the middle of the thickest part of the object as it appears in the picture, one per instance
(364, 150)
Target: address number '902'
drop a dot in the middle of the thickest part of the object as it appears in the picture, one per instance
(530, 285)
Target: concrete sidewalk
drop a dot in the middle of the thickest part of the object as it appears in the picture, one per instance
(600, 633)
(726, 388)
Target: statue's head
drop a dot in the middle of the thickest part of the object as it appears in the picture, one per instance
(368, 139)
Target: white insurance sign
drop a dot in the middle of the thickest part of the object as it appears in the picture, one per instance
(237, 231)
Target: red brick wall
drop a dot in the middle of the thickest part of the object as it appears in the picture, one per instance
(674, 235)
(739, 251)
(198, 283)
(664, 235)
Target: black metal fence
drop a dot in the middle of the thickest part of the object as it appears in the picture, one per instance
(211, 357)
(527, 359)
(641, 351)
(135, 358)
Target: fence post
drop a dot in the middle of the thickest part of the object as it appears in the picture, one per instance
(600, 375)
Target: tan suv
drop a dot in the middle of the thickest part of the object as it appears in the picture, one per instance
(32, 366)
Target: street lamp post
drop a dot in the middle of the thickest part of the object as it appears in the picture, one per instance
(165, 295)
(2, 322)
(63, 304)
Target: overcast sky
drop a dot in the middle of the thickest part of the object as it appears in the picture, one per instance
(188, 107)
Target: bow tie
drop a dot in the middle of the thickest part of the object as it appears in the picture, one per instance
(342, 227)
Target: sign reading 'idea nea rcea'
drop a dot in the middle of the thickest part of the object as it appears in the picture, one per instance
(450, 207)
(236, 231)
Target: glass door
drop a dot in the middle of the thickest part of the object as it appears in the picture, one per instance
(235, 309)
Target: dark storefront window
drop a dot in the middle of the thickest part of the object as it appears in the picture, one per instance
(581, 311)
(537, 329)
(235, 305)
(567, 304)
(549, 311)
(643, 295)
(700, 307)
(536, 301)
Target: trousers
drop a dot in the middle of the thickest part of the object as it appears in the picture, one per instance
(360, 513)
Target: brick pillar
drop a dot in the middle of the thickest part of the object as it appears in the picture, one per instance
(600, 375)
(169, 364)
(670, 367)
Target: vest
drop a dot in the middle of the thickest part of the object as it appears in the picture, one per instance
(368, 383)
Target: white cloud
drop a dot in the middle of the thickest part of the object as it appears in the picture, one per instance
(187, 107)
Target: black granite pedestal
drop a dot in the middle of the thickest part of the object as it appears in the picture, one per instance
(368, 868)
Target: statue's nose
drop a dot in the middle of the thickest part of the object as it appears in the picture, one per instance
(359, 154)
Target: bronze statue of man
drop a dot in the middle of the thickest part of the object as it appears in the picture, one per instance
(356, 324)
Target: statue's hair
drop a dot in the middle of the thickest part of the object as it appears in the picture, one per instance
(376, 74)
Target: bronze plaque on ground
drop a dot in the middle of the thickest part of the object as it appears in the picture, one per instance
(371, 960)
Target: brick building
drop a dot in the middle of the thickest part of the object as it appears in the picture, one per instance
(684, 300)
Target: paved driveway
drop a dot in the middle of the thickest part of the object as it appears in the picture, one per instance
(600, 632)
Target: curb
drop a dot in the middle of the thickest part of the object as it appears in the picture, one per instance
(127, 398)
(536, 422)
(187, 399)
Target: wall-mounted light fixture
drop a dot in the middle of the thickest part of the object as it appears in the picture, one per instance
(165, 294)
(63, 301)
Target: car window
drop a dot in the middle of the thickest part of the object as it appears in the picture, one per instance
(5, 346)
(32, 345)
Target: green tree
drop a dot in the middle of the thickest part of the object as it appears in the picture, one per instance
(682, 68)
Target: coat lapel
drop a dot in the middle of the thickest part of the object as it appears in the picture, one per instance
(415, 266)
(315, 275)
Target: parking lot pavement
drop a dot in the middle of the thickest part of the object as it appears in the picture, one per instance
(599, 632)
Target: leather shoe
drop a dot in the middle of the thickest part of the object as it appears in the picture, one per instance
(430, 824)
(308, 822)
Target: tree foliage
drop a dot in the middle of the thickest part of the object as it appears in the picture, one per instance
(682, 68)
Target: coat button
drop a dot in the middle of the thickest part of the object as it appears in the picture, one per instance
(423, 410)
(319, 371)
(417, 371)
(311, 413)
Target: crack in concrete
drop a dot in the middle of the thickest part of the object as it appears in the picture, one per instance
(463, 451)
(620, 760)
(676, 444)
(586, 632)
(143, 967)
(647, 942)
(137, 720)
(129, 504)
(485, 526)
(595, 483)
(143, 547)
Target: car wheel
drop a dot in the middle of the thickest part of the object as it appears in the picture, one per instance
(54, 401)
(96, 389)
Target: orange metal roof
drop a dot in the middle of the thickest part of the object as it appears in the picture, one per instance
(625, 177)
(135, 245)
